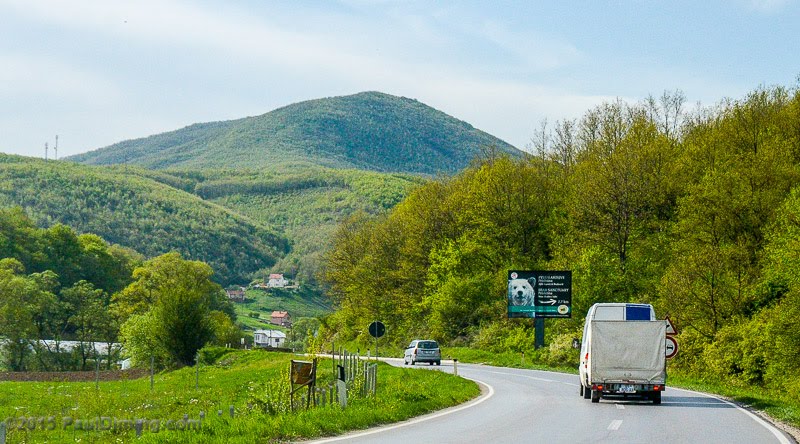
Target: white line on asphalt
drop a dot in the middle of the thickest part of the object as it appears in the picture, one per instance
(416, 420)
(781, 437)
(522, 376)
(615, 424)
(620, 407)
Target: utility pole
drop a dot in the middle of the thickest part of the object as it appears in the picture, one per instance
(55, 148)
(45, 151)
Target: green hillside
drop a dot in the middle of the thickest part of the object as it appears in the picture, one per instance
(127, 208)
(305, 204)
(255, 312)
(227, 218)
(368, 131)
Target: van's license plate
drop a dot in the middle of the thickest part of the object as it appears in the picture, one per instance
(627, 388)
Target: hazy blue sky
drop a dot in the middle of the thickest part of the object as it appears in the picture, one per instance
(98, 72)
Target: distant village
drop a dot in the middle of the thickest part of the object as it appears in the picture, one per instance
(267, 338)
(276, 280)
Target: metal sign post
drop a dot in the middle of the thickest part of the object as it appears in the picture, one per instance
(538, 325)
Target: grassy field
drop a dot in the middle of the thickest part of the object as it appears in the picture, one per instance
(250, 381)
(299, 304)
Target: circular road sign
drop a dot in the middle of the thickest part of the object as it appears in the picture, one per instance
(377, 329)
(672, 347)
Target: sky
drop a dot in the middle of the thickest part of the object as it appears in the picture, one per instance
(100, 72)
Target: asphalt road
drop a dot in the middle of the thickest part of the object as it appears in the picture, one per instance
(529, 406)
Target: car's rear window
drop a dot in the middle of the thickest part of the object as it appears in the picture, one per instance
(428, 344)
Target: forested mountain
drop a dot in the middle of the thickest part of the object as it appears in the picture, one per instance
(696, 213)
(306, 205)
(368, 131)
(244, 224)
(125, 207)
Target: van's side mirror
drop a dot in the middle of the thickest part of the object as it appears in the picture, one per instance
(576, 343)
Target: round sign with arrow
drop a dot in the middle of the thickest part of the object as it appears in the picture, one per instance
(377, 329)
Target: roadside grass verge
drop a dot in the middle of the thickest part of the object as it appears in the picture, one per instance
(242, 379)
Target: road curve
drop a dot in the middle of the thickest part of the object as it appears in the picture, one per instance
(530, 406)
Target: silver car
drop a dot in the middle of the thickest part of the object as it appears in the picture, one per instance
(422, 350)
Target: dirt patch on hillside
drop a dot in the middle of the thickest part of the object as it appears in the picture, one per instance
(105, 375)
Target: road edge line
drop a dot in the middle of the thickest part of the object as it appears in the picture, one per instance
(782, 438)
(483, 397)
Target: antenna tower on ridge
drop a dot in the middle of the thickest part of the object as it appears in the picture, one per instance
(45, 151)
(55, 148)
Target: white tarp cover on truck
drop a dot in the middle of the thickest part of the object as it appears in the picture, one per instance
(623, 350)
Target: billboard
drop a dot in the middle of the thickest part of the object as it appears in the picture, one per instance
(539, 294)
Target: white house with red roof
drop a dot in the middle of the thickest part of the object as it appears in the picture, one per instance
(277, 280)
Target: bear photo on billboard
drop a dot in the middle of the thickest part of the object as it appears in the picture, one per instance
(521, 292)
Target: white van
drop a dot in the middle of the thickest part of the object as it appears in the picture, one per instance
(623, 352)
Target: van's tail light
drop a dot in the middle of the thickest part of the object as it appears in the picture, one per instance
(657, 388)
(586, 361)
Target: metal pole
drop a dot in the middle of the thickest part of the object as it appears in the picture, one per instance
(539, 332)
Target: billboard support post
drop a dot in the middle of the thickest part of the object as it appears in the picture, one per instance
(538, 324)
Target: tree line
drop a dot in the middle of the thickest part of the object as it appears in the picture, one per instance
(57, 286)
(695, 212)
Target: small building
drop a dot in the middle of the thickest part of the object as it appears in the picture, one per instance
(236, 295)
(281, 318)
(277, 280)
(269, 338)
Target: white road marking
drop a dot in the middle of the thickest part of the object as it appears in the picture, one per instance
(620, 406)
(615, 424)
(522, 376)
(781, 437)
(415, 420)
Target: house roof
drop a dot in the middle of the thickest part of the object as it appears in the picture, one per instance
(276, 276)
(280, 314)
(271, 333)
